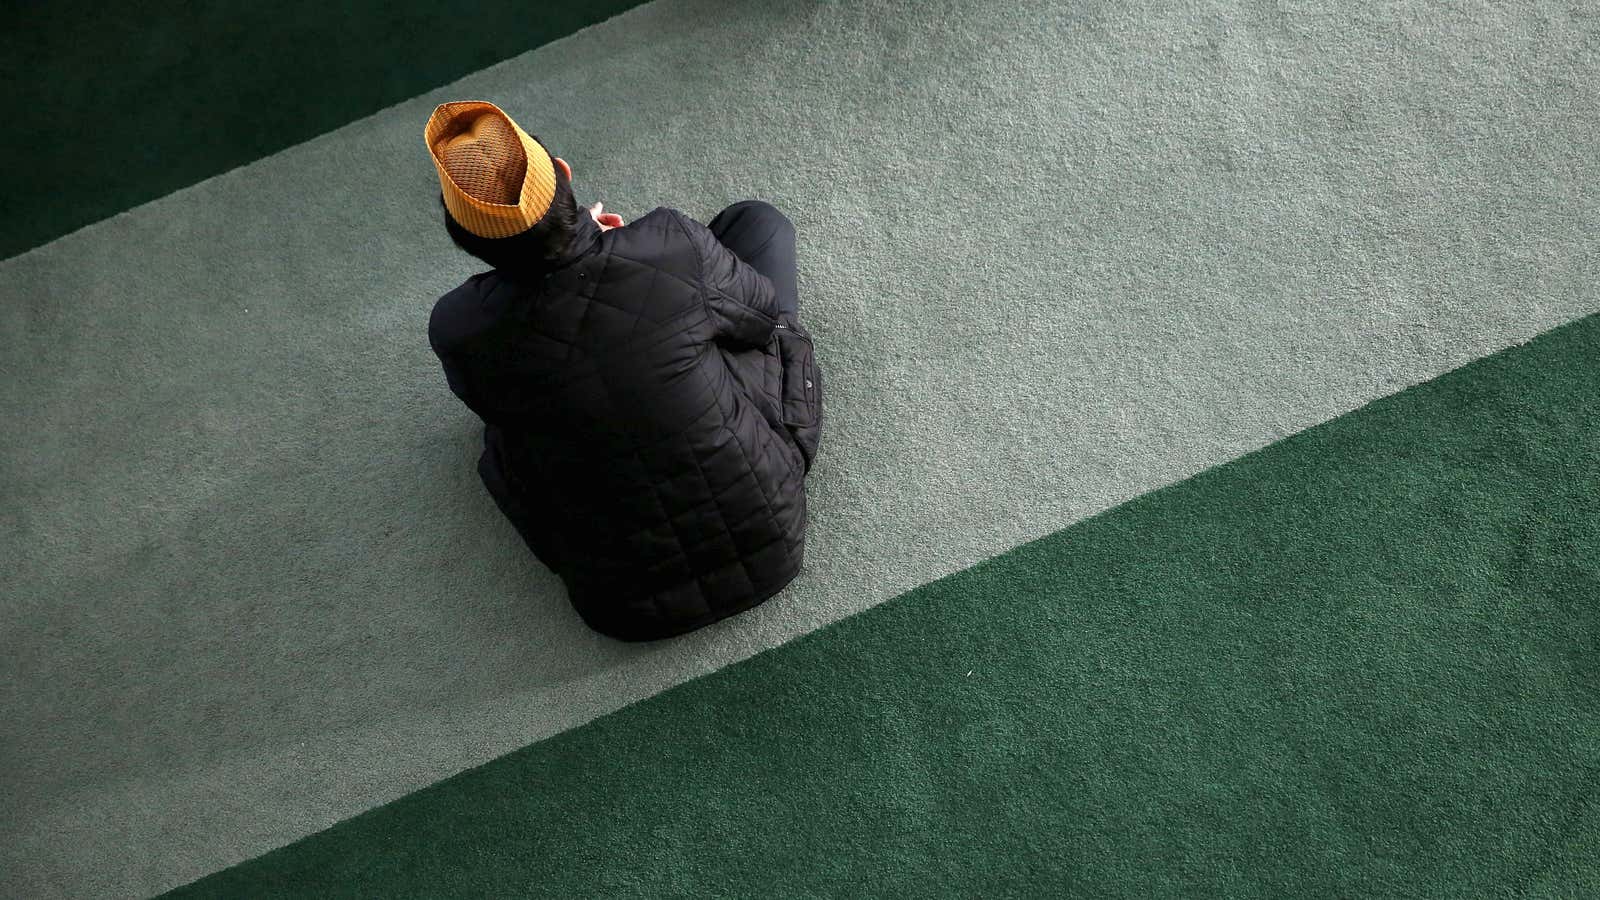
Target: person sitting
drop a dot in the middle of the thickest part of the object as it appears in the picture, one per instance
(651, 403)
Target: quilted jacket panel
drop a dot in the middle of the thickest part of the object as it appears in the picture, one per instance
(649, 421)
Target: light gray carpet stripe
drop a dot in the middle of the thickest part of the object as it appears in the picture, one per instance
(1055, 254)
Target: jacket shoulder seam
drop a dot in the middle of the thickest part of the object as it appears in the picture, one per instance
(699, 260)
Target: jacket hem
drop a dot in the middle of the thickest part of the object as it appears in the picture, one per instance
(658, 631)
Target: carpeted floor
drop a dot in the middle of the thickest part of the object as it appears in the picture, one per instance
(1056, 256)
(110, 105)
(1309, 672)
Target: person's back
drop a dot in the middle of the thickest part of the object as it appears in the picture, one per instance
(651, 401)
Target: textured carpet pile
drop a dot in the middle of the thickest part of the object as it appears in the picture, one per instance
(1313, 670)
(1082, 276)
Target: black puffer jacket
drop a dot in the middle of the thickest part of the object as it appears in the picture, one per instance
(649, 422)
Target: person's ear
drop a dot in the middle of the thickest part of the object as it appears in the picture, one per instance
(564, 167)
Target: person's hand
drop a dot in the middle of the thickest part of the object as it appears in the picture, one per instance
(605, 220)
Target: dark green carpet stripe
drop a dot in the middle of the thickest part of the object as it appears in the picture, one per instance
(1364, 661)
(110, 105)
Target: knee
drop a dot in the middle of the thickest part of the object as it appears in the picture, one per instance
(762, 212)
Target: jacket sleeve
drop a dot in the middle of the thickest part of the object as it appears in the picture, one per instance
(453, 376)
(741, 300)
(446, 326)
(512, 495)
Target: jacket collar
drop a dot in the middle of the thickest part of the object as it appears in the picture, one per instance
(585, 240)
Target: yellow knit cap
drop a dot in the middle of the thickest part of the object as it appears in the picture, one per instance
(497, 181)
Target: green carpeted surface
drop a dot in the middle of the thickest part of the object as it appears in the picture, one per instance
(108, 105)
(1362, 662)
(1056, 255)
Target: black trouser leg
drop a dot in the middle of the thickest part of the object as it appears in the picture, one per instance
(763, 237)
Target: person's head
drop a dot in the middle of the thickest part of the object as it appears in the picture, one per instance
(506, 200)
(544, 241)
